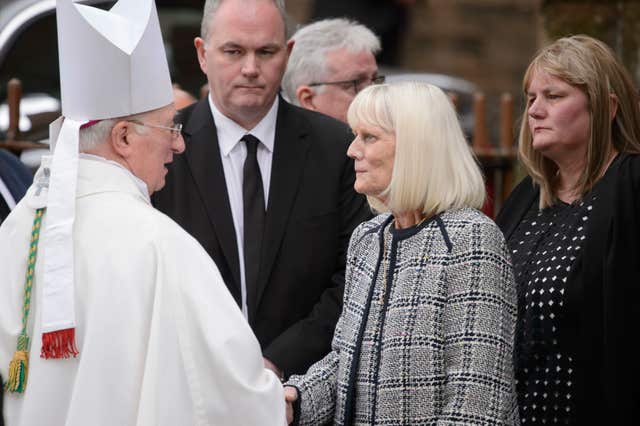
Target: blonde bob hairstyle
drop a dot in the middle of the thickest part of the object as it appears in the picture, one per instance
(434, 169)
(591, 66)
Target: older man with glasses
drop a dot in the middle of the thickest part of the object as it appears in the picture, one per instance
(331, 61)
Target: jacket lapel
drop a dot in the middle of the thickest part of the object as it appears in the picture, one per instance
(203, 158)
(518, 204)
(289, 156)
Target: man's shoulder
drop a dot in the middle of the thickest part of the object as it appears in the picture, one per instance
(172, 240)
(159, 225)
(316, 120)
(149, 227)
(630, 163)
(321, 130)
(184, 115)
(126, 216)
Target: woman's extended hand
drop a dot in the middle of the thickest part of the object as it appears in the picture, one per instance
(290, 395)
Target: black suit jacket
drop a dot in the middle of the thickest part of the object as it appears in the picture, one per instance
(15, 176)
(601, 296)
(311, 212)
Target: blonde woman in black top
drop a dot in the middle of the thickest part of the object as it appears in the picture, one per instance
(573, 230)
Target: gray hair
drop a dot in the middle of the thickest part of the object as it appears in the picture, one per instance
(211, 6)
(92, 136)
(307, 62)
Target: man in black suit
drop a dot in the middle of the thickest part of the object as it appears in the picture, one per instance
(15, 178)
(265, 187)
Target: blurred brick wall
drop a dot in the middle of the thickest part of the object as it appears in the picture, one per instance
(489, 42)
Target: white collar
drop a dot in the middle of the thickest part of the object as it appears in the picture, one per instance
(142, 186)
(230, 132)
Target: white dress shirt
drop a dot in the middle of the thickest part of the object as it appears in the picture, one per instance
(233, 153)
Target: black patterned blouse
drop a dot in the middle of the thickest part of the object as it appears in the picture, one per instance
(545, 247)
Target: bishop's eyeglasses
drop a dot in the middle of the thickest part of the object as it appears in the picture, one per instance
(175, 130)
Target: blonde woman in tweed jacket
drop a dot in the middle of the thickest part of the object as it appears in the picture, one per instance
(427, 328)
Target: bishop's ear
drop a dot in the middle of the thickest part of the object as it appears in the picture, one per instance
(121, 138)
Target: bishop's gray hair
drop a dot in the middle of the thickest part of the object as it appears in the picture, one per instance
(307, 62)
(211, 6)
(94, 135)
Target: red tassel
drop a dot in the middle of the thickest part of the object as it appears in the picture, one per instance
(59, 344)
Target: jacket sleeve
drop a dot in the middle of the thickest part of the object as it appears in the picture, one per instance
(619, 297)
(478, 329)
(317, 391)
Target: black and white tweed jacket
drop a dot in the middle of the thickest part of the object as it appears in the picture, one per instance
(427, 328)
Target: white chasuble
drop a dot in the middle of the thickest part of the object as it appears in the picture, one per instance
(160, 339)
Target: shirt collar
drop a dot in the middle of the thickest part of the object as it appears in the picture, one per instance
(230, 132)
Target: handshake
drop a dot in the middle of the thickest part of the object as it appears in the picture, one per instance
(290, 395)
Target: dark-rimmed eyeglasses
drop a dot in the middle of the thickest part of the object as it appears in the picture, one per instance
(357, 85)
(175, 130)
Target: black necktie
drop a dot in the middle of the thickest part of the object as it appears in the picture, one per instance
(4, 209)
(253, 199)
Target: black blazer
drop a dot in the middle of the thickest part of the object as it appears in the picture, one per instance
(311, 212)
(602, 298)
(15, 176)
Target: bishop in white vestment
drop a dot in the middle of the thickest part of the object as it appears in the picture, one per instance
(160, 339)
(110, 313)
